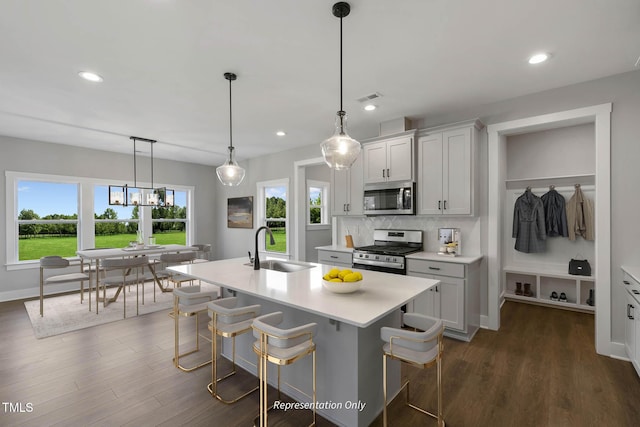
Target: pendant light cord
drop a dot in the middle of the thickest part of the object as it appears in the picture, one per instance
(341, 109)
(230, 125)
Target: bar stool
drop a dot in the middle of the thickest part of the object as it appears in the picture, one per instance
(420, 349)
(228, 320)
(190, 301)
(281, 347)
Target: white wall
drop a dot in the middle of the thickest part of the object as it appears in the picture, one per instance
(37, 157)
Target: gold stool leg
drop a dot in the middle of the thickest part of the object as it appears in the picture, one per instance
(384, 390)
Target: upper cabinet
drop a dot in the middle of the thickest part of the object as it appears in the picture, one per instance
(389, 158)
(447, 167)
(347, 190)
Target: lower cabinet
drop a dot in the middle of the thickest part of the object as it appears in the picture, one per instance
(335, 258)
(632, 317)
(456, 300)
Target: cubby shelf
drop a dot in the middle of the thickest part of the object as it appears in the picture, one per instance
(543, 284)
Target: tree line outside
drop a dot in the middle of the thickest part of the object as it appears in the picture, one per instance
(28, 231)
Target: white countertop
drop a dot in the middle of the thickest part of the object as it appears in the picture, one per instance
(338, 248)
(432, 256)
(380, 294)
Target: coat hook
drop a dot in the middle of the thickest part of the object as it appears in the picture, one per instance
(577, 185)
(552, 187)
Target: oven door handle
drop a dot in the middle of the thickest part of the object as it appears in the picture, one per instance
(398, 265)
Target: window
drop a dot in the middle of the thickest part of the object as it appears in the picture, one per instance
(273, 212)
(318, 195)
(115, 226)
(47, 219)
(58, 215)
(170, 224)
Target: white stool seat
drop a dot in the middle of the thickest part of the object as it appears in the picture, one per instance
(282, 347)
(228, 320)
(421, 348)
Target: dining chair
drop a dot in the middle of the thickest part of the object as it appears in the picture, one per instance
(173, 259)
(203, 252)
(57, 262)
(421, 347)
(130, 271)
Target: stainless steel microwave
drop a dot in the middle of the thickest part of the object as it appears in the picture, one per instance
(390, 198)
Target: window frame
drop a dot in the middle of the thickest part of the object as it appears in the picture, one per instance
(85, 208)
(325, 217)
(261, 215)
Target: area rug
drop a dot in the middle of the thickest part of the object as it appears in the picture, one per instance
(65, 313)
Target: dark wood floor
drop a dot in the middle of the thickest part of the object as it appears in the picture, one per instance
(540, 369)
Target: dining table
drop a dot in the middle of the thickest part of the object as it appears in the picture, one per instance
(94, 255)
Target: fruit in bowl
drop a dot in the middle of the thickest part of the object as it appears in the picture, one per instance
(342, 281)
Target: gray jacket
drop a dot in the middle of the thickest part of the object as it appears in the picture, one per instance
(528, 223)
(555, 215)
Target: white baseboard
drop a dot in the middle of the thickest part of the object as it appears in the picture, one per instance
(35, 292)
(617, 351)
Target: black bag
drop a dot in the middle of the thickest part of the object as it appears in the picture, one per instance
(579, 267)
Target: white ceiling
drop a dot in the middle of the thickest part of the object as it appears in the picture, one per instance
(163, 63)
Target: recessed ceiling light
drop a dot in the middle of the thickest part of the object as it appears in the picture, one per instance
(281, 133)
(92, 77)
(370, 107)
(538, 58)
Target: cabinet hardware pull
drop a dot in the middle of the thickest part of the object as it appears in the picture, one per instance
(629, 308)
(348, 207)
(434, 268)
(344, 207)
(436, 289)
(383, 173)
(445, 205)
(333, 256)
(439, 204)
(388, 174)
(626, 282)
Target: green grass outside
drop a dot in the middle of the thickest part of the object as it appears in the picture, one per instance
(280, 236)
(38, 247)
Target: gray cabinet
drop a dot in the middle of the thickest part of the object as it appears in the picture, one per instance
(347, 190)
(389, 159)
(632, 316)
(335, 258)
(456, 300)
(447, 169)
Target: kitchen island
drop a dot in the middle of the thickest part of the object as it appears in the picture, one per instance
(349, 349)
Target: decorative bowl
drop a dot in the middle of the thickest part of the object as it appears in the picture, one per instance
(341, 287)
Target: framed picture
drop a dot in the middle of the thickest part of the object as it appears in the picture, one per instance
(240, 212)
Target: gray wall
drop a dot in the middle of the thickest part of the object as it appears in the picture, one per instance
(22, 155)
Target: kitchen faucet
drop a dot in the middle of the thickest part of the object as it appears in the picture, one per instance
(256, 259)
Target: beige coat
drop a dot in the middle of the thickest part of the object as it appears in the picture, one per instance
(580, 216)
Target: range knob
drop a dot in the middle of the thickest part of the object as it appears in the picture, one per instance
(366, 256)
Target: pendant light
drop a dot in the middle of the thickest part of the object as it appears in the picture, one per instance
(126, 195)
(230, 173)
(340, 151)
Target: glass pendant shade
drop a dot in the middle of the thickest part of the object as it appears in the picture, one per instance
(230, 173)
(340, 150)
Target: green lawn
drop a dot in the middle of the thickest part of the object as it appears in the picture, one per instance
(38, 247)
(280, 236)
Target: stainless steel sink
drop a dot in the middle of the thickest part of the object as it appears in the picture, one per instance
(283, 266)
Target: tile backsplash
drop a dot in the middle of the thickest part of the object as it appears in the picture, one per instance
(361, 228)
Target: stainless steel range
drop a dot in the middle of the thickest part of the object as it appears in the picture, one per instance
(388, 250)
